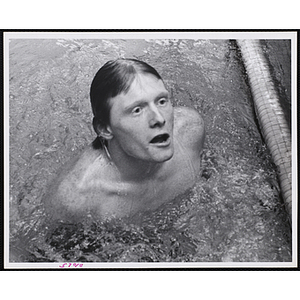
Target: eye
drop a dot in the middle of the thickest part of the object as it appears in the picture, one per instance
(162, 101)
(137, 110)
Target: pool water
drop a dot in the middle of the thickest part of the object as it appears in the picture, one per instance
(234, 213)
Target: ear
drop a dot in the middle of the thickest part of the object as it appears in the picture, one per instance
(106, 132)
(102, 130)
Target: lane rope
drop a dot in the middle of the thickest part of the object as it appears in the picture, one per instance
(273, 124)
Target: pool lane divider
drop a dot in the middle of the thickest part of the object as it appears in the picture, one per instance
(273, 124)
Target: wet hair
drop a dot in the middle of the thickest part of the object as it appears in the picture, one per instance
(113, 78)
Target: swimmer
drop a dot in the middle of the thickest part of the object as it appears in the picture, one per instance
(145, 154)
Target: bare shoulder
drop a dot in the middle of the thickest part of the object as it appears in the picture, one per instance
(189, 127)
(62, 200)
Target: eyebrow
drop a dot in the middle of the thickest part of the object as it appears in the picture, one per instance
(141, 102)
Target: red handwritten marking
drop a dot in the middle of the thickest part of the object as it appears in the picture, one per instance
(69, 265)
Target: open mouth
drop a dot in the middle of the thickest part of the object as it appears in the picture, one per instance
(160, 139)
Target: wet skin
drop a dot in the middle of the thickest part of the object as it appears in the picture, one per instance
(153, 156)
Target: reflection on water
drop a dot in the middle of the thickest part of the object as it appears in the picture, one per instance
(233, 213)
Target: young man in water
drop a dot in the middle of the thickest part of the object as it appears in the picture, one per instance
(146, 152)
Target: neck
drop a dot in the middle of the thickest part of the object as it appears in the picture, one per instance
(131, 168)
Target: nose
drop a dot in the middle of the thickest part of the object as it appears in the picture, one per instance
(156, 118)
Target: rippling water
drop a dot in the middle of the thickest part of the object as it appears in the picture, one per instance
(233, 213)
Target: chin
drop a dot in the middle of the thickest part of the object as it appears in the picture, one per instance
(164, 157)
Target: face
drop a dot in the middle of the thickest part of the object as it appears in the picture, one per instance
(141, 121)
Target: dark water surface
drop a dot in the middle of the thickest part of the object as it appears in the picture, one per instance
(233, 214)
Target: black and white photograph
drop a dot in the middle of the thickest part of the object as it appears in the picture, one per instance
(150, 149)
